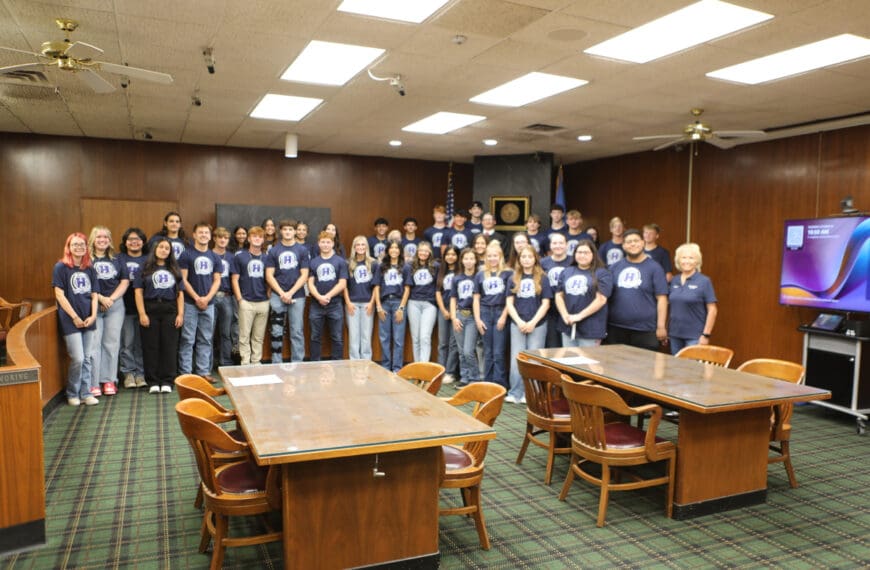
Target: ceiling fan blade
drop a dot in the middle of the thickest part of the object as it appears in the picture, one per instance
(82, 50)
(20, 67)
(653, 137)
(34, 54)
(136, 72)
(672, 143)
(723, 143)
(738, 134)
(93, 80)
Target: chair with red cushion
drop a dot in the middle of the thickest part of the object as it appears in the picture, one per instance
(240, 488)
(546, 411)
(614, 445)
(463, 466)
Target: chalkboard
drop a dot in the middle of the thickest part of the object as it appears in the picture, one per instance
(247, 215)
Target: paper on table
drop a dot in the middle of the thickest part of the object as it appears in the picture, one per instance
(575, 360)
(255, 380)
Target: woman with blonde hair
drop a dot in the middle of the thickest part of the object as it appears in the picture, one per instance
(691, 300)
(101, 366)
(359, 299)
(490, 312)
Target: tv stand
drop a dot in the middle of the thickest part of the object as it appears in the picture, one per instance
(834, 361)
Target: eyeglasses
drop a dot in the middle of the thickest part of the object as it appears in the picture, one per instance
(134, 239)
(77, 245)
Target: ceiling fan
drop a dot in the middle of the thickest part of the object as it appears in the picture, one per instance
(76, 57)
(698, 131)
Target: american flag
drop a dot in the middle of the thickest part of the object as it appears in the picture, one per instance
(560, 188)
(450, 204)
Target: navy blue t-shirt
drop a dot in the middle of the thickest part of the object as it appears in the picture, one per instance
(492, 289)
(251, 270)
(134, 265)
(459, 238)
(473, 228)
(447, 288)
(546, 245)
(201, 267)
(539, 241)
(611, 253)
(662, 256)
(288, 262)
(392, 280)
(78, 288)
(636, 285)
(226, 262)
(377, 246)
(327, 273)
(526, 300)
(178, 244)
(554, 269)
(409, 248)
(362, 281)
(464, 287)
(688, 305)
(109, 274)
(422, 282)
(160, 285)
(435, 236)
(573, 239)
(579, 288)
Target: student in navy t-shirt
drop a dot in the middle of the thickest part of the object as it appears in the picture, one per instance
(527, 303)
(286, 274)
(639, 304)
(581, 298)
(378, 242)
(359, 299)
(553, 267)
(410, 240)
(172, 231)
(692, 301)
(459, 236)
(201, 274)
(612, 251)
(73, 280)
(654, 250)
(435, 233)
(248, 278)
(420, 279)
(223, 300)
(160, 304)
(327, 280)
(575, 231)
(448, 353)
(391, 295)
(133, 257)
(462, 316)
(490, 313)
(536, 237)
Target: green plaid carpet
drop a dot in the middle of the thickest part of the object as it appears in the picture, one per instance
(120, 483)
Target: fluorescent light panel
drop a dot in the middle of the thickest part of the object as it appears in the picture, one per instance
(526, 89)
(329, 63)
(414, 11)
(284, 107)
(442, 122)
(831, 51)
(690, 26)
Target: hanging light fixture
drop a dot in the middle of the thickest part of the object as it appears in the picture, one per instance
(291, 145)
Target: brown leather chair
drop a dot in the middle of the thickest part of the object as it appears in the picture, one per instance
(708, 354)
(230, 489)
(463, 466)
(426, 375)
(546, 411)
(614, 446)
(780, 420)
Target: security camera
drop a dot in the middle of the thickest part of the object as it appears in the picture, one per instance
(398, 85)
(125, 82)
(147, 136)
(196, 101)
(208, 54)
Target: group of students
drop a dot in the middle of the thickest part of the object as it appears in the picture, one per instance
(155, 308)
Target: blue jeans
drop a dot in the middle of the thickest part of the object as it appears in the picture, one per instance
(494, 345)
(421, 318)
(519, 342)
(392, 336)
(131, 347)
(196, 334)
(359, 333)
(677, 344)
(579, 342)
(466, 342)
(101, 365)
(223, 312)
(332, 315)
(77, 346)
(448, 352)
(293, 315)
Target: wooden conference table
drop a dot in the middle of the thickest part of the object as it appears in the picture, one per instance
(360, 450)
(724, 428)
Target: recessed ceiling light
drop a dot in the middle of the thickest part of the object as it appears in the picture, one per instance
(284, 107)
(395, 143)
(584, 138)
(442, 122)
(414, 11)
(530, 87)
(695, 24)
(490, 142)
(329, 63)
(831, 51)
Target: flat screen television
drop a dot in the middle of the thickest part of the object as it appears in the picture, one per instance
(826, 264)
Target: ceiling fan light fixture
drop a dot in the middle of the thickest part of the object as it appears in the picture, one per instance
(330, 63)
(695, 24)
(808, 57)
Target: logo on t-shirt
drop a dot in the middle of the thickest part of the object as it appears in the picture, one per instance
(325, 272)
(203, 265)
(162, 279)
(447, 284)
(465, 289)
(436, 239)
(105, 270)
(255, 268)
(572, 245)
(177, 249)
(410, 250)
(577, 285)
(459, 240)
(287, 260)
(361, 274)
(225, 271)
(629, 278)
(527, 289)
(379, 249)
(535, 244)
(132, 269)
(553, 274)
(614, 255)
(80, 283)
(493, 286)
(393, 277)
(422, 277)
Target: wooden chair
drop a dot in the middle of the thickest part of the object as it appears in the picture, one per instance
(780, 420)
(614, 445)
(194, 386)
(546, 411)
(240, 488)
(10, 314)
(427, 375)
(708, 354)
(463, 466)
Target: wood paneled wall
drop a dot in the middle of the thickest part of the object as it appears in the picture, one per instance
(43, 179)
(740, 199)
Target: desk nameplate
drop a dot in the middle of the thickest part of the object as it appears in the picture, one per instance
(14, 377)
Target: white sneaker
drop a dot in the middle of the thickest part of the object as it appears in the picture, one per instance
(140, 382)
(129, 381)
(510, 399)
(73, 401)
(90, 401)
(521, 400)
(448, 379)
(166, 389)
(154, 390)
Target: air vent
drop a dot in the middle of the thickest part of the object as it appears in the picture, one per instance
(543, 129)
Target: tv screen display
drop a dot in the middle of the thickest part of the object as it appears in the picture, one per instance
(826, 264)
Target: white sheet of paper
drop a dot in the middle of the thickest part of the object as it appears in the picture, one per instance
(575, 360)
(255, 380)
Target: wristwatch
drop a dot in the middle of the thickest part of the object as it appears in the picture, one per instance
(705, 335)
